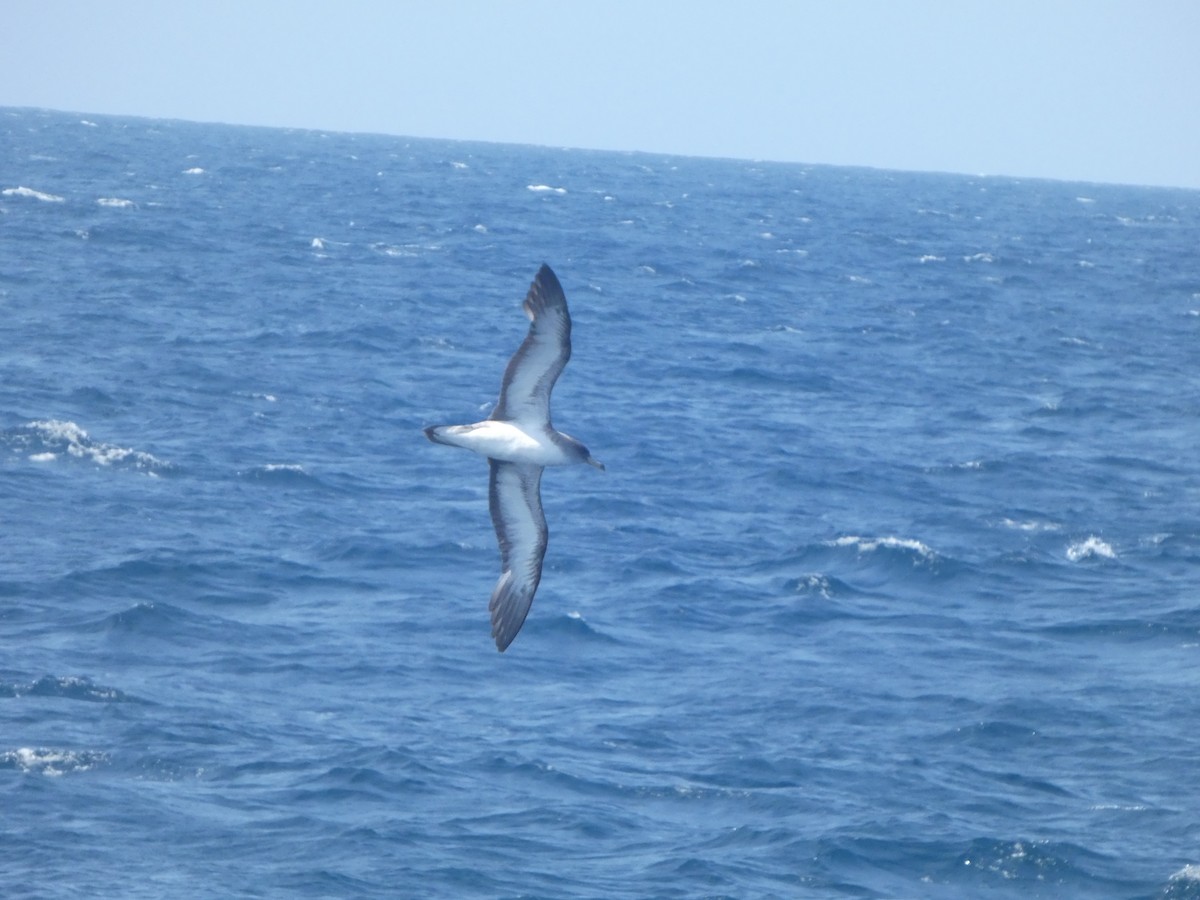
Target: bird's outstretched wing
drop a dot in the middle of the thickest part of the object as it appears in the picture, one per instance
(531, 373)
(515, 500)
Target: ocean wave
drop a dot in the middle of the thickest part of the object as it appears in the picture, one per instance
(32, 194)
(289, 474)
(160, 621)
(1090, 548)
(1189, 873)
(815, 584)
(48, 440)
(1030, 525)
(1176, 627)
(51, 761)
(570, 625)
(69, 687)
(1041, 863)
(115, 203)
(1183, 885)
(916, 550)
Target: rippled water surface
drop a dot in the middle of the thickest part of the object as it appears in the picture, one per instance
(889, 589)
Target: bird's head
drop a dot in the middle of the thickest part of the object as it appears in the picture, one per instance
(582, 453)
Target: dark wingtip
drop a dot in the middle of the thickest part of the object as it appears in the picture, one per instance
(509, 606)
(545, 292)
(504, 633)
(546, 281)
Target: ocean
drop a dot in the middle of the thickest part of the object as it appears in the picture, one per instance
(891, 588)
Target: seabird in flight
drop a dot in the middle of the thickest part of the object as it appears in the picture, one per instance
(519, 442)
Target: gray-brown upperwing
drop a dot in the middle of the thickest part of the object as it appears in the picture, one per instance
(531, 373)
(515, 500)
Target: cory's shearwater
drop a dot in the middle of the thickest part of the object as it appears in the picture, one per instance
(519, 441)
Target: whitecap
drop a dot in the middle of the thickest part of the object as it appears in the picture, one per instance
(545, 189)
(195, 170)
(1189, 872)
(870, 545)
(116, 202)
(481, 229)
(317, 244)
(1030, 525)
(284, 467)
(292, 474)
(408, 251)
(57, 437)
(32, 194)
(48, 761)
(1093, 547)
(928, 258)
(815, 583)
(980, 257)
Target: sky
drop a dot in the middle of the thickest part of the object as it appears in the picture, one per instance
(1077, 90)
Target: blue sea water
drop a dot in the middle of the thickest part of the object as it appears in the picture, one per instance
(891, 587)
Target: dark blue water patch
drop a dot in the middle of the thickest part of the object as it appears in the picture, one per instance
(344, 784)
(175, 576)
(1179, 627)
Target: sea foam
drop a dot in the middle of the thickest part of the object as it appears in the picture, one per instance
(32, 194)
(48, 439)
(1092, 548)
(50, 761)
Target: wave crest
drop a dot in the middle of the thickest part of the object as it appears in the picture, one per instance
(51, 761)
(45, 440)
(1091, 548)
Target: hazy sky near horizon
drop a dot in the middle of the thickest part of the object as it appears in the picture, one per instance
(1086, 90)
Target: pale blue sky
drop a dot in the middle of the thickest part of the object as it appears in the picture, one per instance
(1090, 90)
